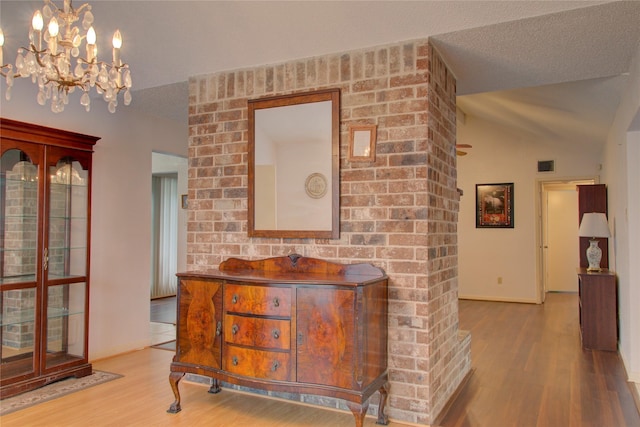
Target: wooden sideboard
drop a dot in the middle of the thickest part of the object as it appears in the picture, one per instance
(287, 324)
(598, 309)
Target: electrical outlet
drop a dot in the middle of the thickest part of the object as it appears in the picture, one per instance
(499, 280)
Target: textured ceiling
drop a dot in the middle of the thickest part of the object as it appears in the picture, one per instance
(501, 47)
(580, 44)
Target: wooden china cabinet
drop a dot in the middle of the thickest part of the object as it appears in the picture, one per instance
(45, 212)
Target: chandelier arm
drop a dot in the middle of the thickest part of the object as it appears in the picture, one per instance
(77, 11)
(6, 73)
(37, 54)
(118, 89)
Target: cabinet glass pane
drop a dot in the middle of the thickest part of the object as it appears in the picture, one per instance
(65, 323)
(18, 223)
(68, 223)
(17, 331)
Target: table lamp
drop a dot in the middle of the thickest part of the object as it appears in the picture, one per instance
(594, 225)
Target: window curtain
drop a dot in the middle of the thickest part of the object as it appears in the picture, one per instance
(164, 241)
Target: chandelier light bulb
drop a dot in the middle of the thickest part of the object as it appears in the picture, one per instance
(117, 44)
(61, 72)
(53, 27)
(37, 22)
(117, 40)
(1, 44)
(53, 35)
(91, 36)
(91, 44)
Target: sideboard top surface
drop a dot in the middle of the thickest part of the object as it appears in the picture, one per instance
(292, 269)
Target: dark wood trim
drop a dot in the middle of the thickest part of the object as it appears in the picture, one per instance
(332, 95)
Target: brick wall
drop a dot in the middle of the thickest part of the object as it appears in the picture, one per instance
(19, 244)
(399, 213)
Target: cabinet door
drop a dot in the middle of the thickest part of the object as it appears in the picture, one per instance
(66, 256)
(20, 175)
(326, 336)
(200, 322)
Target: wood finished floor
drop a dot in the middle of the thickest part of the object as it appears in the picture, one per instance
(163, 310)
(529, 370)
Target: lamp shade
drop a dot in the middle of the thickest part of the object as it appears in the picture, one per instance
(594, 224)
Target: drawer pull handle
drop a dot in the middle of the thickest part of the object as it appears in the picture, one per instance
(276, 302)
(234, 329)
(275, 366)
(275, 333)
(218, 328)
(234, 299)
(234, 360)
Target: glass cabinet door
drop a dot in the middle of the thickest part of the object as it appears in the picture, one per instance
(18, 263)
(66, 262)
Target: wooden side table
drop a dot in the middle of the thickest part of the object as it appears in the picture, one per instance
(598, 309)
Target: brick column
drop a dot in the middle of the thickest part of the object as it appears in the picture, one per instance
(398, 213)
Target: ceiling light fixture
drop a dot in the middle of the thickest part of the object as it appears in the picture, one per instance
(54, 62)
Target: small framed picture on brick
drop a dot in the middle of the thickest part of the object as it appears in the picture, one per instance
(362, 143)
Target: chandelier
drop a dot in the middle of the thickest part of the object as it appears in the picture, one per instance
(54, 60)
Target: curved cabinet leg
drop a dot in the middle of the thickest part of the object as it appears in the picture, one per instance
(359, 411)
(174, 379)
(215, 387)
(382, 416)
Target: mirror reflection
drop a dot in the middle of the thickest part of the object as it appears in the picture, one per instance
(293, 165)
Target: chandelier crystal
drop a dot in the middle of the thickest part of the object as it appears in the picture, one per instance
(55, 63)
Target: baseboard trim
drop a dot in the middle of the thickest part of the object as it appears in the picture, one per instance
(497, 299)
(635, 392)
(445, 410)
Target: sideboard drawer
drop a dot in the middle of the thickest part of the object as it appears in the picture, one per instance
(260, 300)
(257, 363)
(257, 332)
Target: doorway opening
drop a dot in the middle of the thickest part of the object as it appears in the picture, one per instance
(168, 243)
(558, 235)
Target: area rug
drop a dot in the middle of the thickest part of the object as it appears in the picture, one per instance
(53, 391)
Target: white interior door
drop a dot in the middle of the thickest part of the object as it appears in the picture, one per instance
(562, 241)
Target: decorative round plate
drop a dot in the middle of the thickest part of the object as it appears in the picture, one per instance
(316, 185)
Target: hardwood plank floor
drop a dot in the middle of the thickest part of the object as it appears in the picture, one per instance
(142, 396)
(163, 310)
(529, 371)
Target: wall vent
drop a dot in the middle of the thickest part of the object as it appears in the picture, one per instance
(546, 166)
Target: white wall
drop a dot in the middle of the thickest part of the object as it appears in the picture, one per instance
(121, 233)
(502, 155)
(620, 173)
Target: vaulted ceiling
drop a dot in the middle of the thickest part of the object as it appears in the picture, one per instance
(552, 67)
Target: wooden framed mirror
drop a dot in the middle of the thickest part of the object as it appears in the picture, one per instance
(294, 165)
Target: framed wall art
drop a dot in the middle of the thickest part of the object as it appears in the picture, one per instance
(494, 205)
(362, 143)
